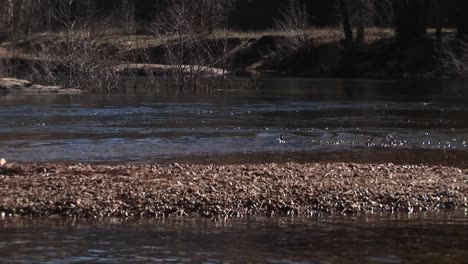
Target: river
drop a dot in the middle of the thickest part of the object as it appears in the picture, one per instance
(273, 119)
(423, 238)
(330, 117)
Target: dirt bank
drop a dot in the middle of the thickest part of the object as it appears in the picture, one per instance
(227, 190)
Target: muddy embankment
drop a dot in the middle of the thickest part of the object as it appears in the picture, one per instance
(268, 189)
(382, 58)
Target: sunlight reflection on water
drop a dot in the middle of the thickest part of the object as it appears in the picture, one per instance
(312, 115)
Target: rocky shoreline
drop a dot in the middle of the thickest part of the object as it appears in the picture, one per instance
(269, 189)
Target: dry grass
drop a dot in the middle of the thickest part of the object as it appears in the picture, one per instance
(9, 52)
(227, 190)
(124, 41)
(319, 35)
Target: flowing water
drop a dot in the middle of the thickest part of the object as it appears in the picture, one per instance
(276, 117)
(426, 238)
(273, 119)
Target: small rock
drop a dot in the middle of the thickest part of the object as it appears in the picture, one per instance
(281, 139)
(3, 162)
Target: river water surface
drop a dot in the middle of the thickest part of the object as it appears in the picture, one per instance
(313, 116)
(425, 238)
(273, 119)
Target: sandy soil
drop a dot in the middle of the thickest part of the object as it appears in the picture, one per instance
(152, 190)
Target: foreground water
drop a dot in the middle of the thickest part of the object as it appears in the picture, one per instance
(420, 238)
(312, 115)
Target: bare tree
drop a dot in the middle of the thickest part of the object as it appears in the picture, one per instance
(184, 28)
(346, 21)
(438, 18)
(410, 18)
(9, 15)
(19, 18)
(127, 15)
(360, 14)
(294, 21)
(454, 59)
(4, 17)
(78, 53)
(462, 18)
(363, 15)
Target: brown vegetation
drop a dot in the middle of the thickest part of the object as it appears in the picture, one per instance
(227, 190)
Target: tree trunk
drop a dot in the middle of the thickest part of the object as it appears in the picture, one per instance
(128, 15)
(9, 17)
(348, 30)
(438, 19)
(462, 18)
(410, 18)
(3, 12)
(361, 33)
(28, 23)
(17, 16)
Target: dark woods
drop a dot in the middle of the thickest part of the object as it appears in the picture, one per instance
(410, 18)
(67, 42)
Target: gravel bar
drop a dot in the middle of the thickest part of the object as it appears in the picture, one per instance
(270, 189)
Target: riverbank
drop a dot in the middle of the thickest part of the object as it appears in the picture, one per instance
(269, 189)
(315, 53)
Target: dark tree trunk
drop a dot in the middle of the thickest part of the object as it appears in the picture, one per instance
(462, 18)
(361, 33)
(17, 11)
(348, 30)
(410, 18)
(28, 23)
(438, 19)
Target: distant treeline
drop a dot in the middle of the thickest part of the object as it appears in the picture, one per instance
(410, 17)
